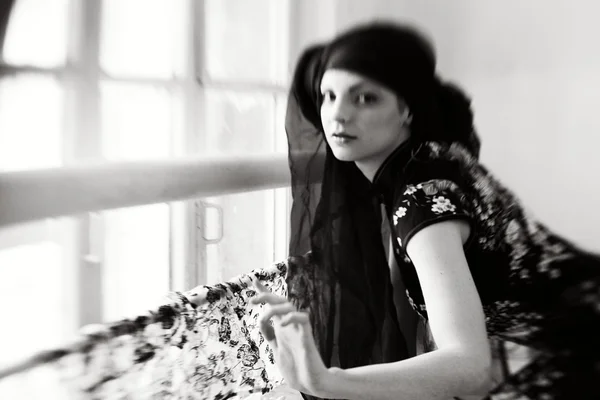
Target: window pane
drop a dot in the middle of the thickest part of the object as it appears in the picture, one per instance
(137, 121)
(30, 123)
(37, 33)
(242, 123)
(248, 234)
(33, 297)
(136, 259)
(247, 40)
(143, 37)
(136, 125)
(21, 234)
(239, 122)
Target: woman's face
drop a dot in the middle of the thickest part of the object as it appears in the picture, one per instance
(363, 120)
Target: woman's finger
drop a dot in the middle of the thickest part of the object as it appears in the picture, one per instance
(268, 298)
(268, 331)
(278, 310)
(259, 286)
(296, 317)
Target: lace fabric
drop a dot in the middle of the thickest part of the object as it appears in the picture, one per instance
(205, 344)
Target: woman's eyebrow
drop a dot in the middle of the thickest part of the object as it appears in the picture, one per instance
(355, 87)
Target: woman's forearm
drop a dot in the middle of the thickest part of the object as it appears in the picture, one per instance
(441, 374)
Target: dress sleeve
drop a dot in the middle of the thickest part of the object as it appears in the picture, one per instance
(421, 205)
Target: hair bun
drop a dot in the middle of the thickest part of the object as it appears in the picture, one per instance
(456, 115)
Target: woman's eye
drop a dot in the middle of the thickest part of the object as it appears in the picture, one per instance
(328, 96)
(366, 98)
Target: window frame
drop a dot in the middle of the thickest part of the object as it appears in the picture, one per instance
(81, 76)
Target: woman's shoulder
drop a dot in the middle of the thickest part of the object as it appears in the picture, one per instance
(453, 166)
(439, 151)
(436, 161)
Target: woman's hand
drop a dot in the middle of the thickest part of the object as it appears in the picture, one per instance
(292, 341)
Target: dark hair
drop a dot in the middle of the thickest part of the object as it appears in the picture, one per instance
(452, 118)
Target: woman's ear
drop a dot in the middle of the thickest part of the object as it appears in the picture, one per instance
(406, 117)
(405, 114)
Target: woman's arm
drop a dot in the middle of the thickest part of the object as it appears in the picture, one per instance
(461, 365)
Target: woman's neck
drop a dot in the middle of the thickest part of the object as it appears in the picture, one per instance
(371, 166)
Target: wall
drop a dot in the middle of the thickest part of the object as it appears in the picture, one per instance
(531, 69)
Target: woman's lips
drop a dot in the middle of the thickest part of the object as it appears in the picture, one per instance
(343, 138)
(345, 135)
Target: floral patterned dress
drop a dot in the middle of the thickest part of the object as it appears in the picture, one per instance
(538, 290)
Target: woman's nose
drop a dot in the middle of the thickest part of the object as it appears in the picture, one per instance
(341, 111)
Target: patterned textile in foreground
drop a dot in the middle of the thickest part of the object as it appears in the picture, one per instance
(206, 348)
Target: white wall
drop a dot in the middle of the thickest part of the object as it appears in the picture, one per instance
(533, 70)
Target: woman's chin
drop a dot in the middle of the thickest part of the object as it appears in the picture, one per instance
(344, 155)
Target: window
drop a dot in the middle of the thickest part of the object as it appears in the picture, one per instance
(46, 45)
(144, 38)
(247, 41)
(38, 269)
(21, 98)
(244, 72)
(136, 125)
(36, 266)
(80, 82)
(143, 66)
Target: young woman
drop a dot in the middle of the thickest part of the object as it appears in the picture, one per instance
(382, 128)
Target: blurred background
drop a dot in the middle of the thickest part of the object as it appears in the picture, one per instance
(105, 80)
